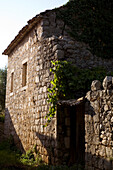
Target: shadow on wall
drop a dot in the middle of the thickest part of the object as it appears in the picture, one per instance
(53, 152)
(97, 162)
(49, 143)
(9, 130)
(93, 161)
(75, 129)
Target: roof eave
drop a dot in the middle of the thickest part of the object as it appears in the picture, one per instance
(26, 29)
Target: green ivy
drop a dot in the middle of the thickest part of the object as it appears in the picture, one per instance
(70, 82)
(91, 21)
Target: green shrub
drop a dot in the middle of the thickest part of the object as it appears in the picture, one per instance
(31, 157)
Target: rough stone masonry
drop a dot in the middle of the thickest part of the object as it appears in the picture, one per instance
(99, 125)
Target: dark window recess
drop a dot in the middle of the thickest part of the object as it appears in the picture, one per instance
(24, 75)
(12, 81)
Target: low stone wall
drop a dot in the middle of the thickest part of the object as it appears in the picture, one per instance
(99, 125)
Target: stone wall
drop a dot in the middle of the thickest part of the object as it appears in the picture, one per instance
(26, 107)
(99, 125)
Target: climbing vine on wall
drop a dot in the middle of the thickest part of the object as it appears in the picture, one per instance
(91, 21)
(70, 82)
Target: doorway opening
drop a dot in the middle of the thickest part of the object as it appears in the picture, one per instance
(77, 134)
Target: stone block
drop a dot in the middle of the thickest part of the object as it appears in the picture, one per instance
(96, 118)
(37, 79)
(104, 142)
(112, 119)
(88, 95)
(102, 151)
(107, 82)
(59, 54)
(44, 89)
(57, 47)
(96, 128)
(109, 152)
(106, 107)
(96, 85)
(96, 139)
(92, 149)
(37, 68)
(37, 122)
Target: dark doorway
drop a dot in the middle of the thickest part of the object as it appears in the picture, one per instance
(77, 138)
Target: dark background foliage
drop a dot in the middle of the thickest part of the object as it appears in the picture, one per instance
(3, 75)
(91, 21)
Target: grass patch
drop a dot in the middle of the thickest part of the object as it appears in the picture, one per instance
(8, 158)
(9, 155)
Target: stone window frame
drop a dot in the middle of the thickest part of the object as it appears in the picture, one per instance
(12, 82)
(24, 74)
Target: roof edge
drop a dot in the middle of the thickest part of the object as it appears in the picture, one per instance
(26, 29)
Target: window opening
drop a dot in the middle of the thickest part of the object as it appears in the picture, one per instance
(24, 75)
(12, 81)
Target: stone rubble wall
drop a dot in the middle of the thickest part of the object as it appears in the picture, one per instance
(99, 125)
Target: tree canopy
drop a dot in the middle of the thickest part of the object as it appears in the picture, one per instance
(91, 21)
(3, 75)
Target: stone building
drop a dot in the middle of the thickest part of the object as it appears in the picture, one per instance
(43, 39)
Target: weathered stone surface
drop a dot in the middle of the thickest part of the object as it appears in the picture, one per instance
(99, 103)
(107, 82)
(96, 85)
(59, 54)
(109, 152)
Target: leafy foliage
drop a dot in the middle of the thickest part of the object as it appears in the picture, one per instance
(91, 21)
(31, 157)
(70, 82)
(3, 75)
